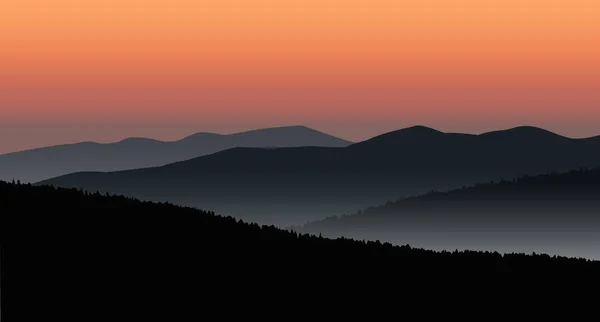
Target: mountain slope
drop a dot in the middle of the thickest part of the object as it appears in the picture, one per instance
(553, 213)
(74, 255)
(39, 164)
(131, 232)
(290, 186)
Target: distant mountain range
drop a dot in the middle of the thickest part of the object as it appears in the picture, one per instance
(133, 153)
(291, 186)
(553, 213)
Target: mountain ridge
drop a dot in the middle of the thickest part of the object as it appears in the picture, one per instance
(299, 184)
(170, 233)
(556, 212)
(133, 153)
(198, 134)
(421, 131)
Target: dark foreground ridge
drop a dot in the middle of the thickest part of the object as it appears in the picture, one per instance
(557, 213)
(99, 231)
(75, 255)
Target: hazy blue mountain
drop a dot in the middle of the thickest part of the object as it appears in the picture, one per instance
(290, 186)
(133, 153)
(553, 213)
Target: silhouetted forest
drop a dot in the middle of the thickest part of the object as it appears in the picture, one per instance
(557, 213)
(95, 230)
(74, 255)
(581, 186)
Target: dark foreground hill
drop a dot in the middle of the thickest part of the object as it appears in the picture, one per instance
(133, 153)
(95, 229)
(555, 213)
(290, 186)
(75, 256)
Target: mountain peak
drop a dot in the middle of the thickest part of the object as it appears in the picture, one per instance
(200, 135)
(138, 140)
(417, 134)
(421, 129)
(413, 130)
(291, 128)
(524, 132)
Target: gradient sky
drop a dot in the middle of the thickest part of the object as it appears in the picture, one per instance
(102, 70)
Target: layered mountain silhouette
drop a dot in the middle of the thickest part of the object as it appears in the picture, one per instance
(291, 186)
(553, 213)
(94, 239)
(115, 256)
(133, 153)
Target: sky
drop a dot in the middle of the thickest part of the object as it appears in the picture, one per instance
(103, 70)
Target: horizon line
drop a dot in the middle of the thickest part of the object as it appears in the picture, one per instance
(303, 126)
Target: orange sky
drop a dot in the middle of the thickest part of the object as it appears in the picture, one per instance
(74, 70)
